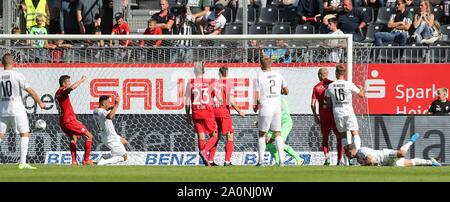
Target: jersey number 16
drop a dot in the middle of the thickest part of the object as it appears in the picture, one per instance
(339, 93)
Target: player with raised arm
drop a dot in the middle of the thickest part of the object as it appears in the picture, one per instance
(200, 95)
(12, 111)
(339, 95)
(387, 157)
(325, 117)
(223, 116)
(68, 120)
(286, 127)
(104, 115)
(269, 87)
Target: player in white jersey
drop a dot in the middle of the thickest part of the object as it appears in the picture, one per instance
(268, 87)
(339, 95)
(12, 111)
(104, 115)
(387, 157)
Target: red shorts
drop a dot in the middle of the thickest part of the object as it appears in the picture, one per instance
(73, 127)
(327, 124)
(206, 126)
(225, 125)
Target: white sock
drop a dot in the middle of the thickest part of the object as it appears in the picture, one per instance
(280, 148)
(349, 138)
(112, 160)
(357, 141)
(421, 162)
(406, 146)
(23, 149)
(261, 149)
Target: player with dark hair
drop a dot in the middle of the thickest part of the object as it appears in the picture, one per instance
(68, 120)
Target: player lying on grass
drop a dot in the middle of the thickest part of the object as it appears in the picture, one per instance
(286, 126)
(387, 157)
(68, 121)
(222, 115)
(104, 115)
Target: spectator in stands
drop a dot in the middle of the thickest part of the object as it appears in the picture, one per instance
(253, 51)
(39, 29)
(33, 8)
(17, 31)
(390, 3)
(279, 54)
(55, 22)
(183, 26)
(68, 17)
(352, 21)
(89, 15)
(258, 3)
(107, 20)
(213, 22)
(441, 106)
(410, 3)
(335, 45)
(198, 8)
(400, 22)
(330, 10)
(152, 29)
(310, 11)
(423, 22)
(372, 3)
(164, 18)
(121, 28)
(232, 3)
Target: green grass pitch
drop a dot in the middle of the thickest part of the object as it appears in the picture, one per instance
(53, 173)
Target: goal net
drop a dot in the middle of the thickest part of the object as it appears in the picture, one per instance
(151, 84)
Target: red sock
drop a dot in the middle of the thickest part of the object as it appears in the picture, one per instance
(73, 151)
(87, 150)
(229, 150)
(325, 144)
(212, 152)
(210, 144)
(201, 144)
(339, 148)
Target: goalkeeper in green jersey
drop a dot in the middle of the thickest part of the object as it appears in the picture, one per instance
(286, 126)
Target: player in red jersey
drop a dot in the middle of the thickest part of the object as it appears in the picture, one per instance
(326, 119)
(68, 120)
(222, 115)
(200, 95)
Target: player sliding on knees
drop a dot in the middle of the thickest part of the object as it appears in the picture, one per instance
(286, 127)
(387, 157)
(200, 94)
(12, 111)
(104, 115)
(222, 115)
(339, 96)
(268, 87)
(68, 120)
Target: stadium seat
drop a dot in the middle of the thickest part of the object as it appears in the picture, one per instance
(445, 29)
(251, 15)
(289, 15)
(304, 29)
(268, 15)
(233, 29)
(384, 13)
(357, 3)
(257, 29)
(228, 14)
(281, 29)
(414, 10)
(369, 12)
(371, 30)
(438, 13)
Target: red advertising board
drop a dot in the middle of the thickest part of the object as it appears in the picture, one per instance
(404, 88)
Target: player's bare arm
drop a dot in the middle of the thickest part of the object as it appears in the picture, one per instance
(76, 84)
(361, 91)
(113, 111)
(35, 97)
(313, 108)
(187, 104)
(285, 91)
(235, 107)
(257, 102)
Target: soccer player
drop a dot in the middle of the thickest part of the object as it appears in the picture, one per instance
(326, 119)
(68, 120)
(268, 87)
(223, 116)
(12, 111)
(200, 94)
(387, 157)
(339, 95)
(104, 115)
(286, 126)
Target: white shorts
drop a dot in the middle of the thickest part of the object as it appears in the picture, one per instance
(116, 146)
(19, 124)
(390, 158)
(269, 119)
(346, 123)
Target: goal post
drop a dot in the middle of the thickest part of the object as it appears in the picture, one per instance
(151, 84)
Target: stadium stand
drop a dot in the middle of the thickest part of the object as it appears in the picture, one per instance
(304, 29)
(268, 16)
